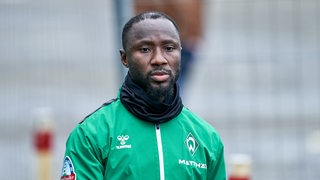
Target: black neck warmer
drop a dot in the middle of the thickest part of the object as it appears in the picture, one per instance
(136, 101)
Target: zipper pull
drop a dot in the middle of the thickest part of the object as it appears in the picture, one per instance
(158, 126)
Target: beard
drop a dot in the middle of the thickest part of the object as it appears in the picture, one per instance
(161, 92)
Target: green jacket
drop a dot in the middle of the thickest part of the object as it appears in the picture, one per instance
(113, 144)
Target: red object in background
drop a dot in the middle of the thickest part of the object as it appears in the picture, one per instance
(240, 167)
(43, 140)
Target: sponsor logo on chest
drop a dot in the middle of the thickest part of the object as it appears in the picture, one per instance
(193, 163)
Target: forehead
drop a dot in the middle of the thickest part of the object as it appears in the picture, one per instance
(149, 28)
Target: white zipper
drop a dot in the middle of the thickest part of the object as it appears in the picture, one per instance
(160, 153)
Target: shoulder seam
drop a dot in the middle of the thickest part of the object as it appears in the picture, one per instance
(103, 105)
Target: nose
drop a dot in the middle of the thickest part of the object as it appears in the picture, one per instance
(158, 57)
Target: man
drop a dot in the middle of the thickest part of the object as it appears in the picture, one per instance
(146, 133)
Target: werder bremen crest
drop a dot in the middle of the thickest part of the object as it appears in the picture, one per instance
(191, 143)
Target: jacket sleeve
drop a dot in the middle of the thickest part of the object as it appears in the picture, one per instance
(218, 170)
(81, 160)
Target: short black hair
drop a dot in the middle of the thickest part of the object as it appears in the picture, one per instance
(140, 17)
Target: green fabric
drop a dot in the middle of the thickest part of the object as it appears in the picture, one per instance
(113, 144)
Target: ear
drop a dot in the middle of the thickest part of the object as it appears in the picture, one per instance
(123, 58)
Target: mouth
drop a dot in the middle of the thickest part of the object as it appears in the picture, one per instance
(160, 76)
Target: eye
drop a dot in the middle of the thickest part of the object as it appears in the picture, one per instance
(169, 48)
(144, 49)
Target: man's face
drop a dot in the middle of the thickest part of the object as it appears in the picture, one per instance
(153, 56)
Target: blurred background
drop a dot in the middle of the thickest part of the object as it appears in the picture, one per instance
(251, 69)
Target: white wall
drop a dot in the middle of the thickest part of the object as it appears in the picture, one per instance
(257, 79)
